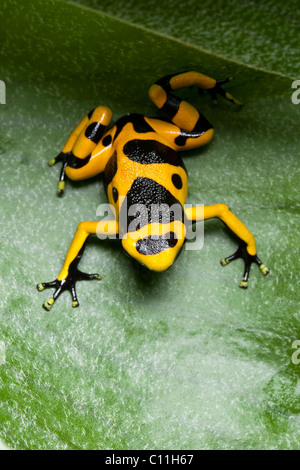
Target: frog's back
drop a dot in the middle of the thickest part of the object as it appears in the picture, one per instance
(140, 152)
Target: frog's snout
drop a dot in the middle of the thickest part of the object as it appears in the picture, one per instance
(156, 246)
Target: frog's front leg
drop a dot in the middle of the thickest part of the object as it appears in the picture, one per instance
(247, 247)
(70, 273)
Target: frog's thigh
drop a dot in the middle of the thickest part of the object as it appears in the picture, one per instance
(179, 138)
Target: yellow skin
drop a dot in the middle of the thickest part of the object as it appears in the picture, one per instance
(139, 158)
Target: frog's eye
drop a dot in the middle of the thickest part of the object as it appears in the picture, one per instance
(154, 244)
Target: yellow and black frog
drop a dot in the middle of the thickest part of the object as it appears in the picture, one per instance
(146, 181)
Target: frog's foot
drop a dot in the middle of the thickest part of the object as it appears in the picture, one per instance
(66, 284)
(218, 90)
(248, 259)
(62, 157)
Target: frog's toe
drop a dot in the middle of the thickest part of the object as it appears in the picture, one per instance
(79, 276)
(224, 261)
(87, 277)
(60, 157)
(59, 288)
(48, 304)
(75, 302)
(264, 269)
(61, 188)
(45, 285)
(243, 284)
(235, 255)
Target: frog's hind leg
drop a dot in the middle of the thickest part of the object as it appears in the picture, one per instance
(194, 129)
(77, 151)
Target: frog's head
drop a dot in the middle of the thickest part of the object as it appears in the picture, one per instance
(152, 225)
(155, 246)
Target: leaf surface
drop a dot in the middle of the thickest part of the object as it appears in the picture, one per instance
(178, 360)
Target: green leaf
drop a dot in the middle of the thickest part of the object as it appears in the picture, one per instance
(182, 359)
(263, 34)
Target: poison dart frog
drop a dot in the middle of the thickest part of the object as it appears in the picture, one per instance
(139, 157)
